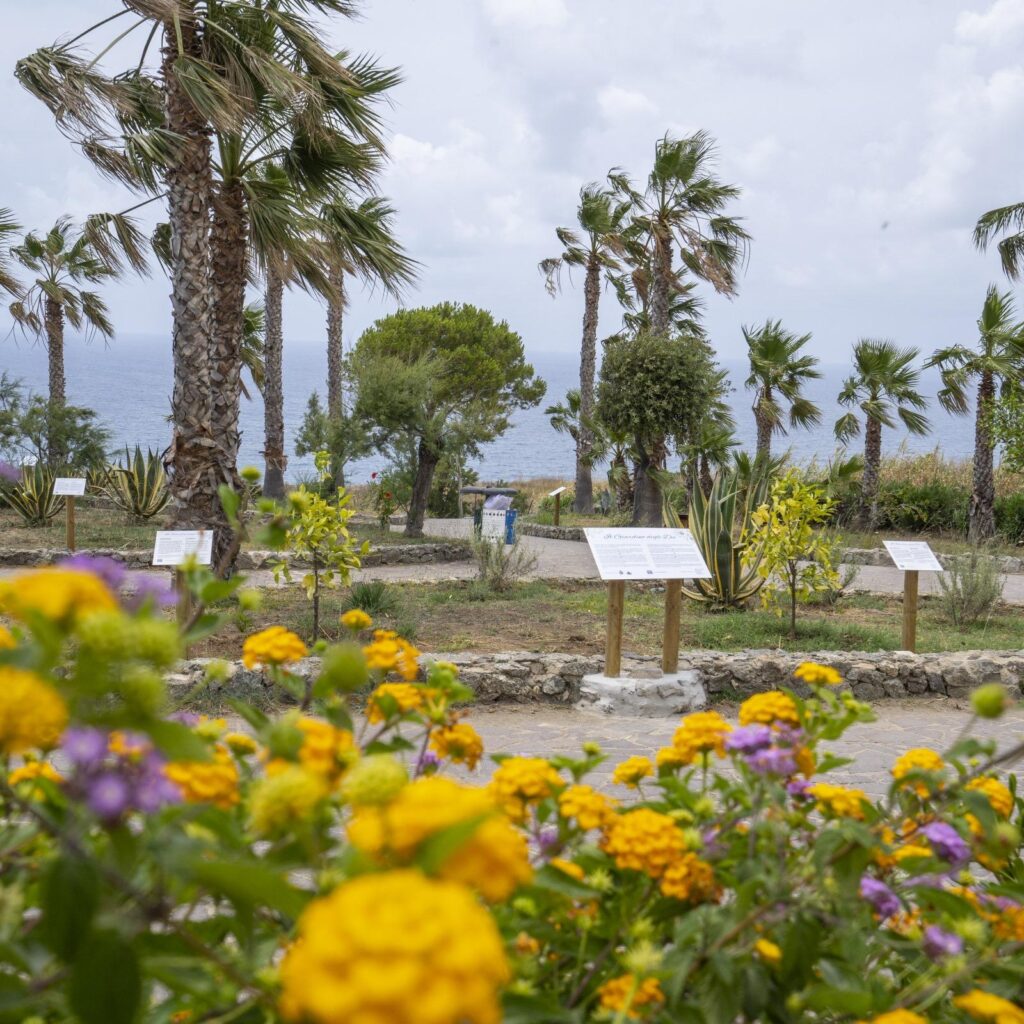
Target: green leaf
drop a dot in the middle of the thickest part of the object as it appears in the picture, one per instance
(555, 880)
(230, 502)
(250, 884)
(256, 718)
(830, 999)
(440, 846)
(106, 983)
(177, 742)
(519, 1009)
(70, 896)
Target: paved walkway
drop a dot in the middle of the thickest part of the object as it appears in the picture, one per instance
(922, 722)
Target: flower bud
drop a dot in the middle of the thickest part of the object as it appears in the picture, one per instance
(376, 779)
(249, 600)
(250, 474)
(344, 668)
(592, 749)
(990, 700)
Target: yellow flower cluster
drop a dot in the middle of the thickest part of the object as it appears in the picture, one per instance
(32, 771)
(769, 708)
(987, 1007)
(397, 948)
(768, 951)
(644, 840)
(61, 595)
(632, 771)
(590, 808)
(214, 781)
(918, 759)
(6, 639)
(273, 646)
(519, 782)
(241, 743)
(998, 795)
(32, 713)
(814, 674)
(356, 619)
(703, 732)
(326, 750)
(390, 653)
(284, 799)
(897, 1017)
(459, 742)
(615, 995)
(408, 697)
(690, 879)
(839, 801)
(493, 859)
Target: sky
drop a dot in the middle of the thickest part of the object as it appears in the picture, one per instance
(866, 138)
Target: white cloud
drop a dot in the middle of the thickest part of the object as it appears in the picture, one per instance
(527, 14)
(616, 102)
(1002, 19)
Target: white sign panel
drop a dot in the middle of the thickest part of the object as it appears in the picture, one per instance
(73, 486)
(665, 554)
(172, 547)
(493, 524)
(913, 555)
(557, 491)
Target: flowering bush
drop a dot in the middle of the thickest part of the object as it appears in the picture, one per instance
(322, 867)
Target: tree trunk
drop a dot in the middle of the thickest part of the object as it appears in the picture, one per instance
(662, 284)
(335, 349)
(54, 316)
(584, 501)
(193, 478)
(426, 462)
(872, 466)
(646, 493)
(229, 248)
(793, 570)
(764, 427)
(982, 520)
(273, 391)
(706, 480)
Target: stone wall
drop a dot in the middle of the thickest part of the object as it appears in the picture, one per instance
(551, 532)
(879, 556)
(526, 677)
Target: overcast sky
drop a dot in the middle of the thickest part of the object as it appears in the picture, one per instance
(867, 138)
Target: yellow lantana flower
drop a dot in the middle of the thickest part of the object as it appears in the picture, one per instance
(644, 840)
(897, 1017)
(62, 595)
(460, 743)
(920, 759)
(986, 1007)
(839, 801)
(768, 951)
(214, 781)
(590, 808)
(273, 646)
(703, 732)
(814, 674)
(32, 713)
(634, 997)
(356, 619)
(690, 879)
(773, 706)
(519, 782)
(632, 771)
(390, 653)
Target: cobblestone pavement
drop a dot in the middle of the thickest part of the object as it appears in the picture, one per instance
(547, 730)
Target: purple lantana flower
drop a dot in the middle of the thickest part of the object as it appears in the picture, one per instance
(884, 901)
(111, 572)
(797, 789)
(773, 761)
(84, 747)
(149, 589)
(947, 842)
(939, 943)
(108, 795)
(748, 739)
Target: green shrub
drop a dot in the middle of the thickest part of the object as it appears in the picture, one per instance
(375, 598)
(501, 566)
(923, 508)
(971, 587)
(138, 486)
(1010, 517)
(33, 499)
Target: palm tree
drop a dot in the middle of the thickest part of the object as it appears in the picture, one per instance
(9, 229)
(716, 437)
(681, 207)
(779, 372)
(59, 264)
(359, 242)
(597, 250)
(884, 383)
(275, 458)
(1011, 248)
(996, 363)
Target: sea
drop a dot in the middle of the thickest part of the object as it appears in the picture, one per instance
(128, 384)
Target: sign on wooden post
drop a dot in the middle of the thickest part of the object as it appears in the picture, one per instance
(173, 548)
(557, 495)
(635, 554)
(70, 487)
(913, 557)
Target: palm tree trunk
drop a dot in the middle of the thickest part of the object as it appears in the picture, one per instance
(872, 467)
(54, 317)
(706, 480)
(335, 351)
(982, 521)
(584, 501)
(426, 462)
(273, 390)
(661, 285)
(229, 248)
(193, 478)
(646, 493)
(764, 427)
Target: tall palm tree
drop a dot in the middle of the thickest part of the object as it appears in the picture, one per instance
(359, 242)
(1008, 221)
(995, 364)
(274, 455)
(884, 387)
(778, 373)
(9, 229)
(681, 207)
(597, 247)
(59, 265)
(716, 438)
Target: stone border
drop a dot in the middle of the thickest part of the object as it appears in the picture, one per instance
(879, 556)
(389, 554)
(551, 532)
(526, 677)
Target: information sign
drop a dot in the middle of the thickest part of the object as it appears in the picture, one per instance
(642, 554)
(913, 555)
(173, 547)
(72, 486)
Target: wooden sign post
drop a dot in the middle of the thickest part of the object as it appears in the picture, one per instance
(557, 495)
(70, 487)
(176, 547)
(913, 557)
(641, 554)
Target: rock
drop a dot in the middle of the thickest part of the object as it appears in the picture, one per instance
(666, 696)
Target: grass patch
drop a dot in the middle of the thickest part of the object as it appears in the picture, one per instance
(541, 616)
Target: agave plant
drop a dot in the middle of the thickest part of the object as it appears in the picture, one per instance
(720, 523)
(138, 485)
(33, 499)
